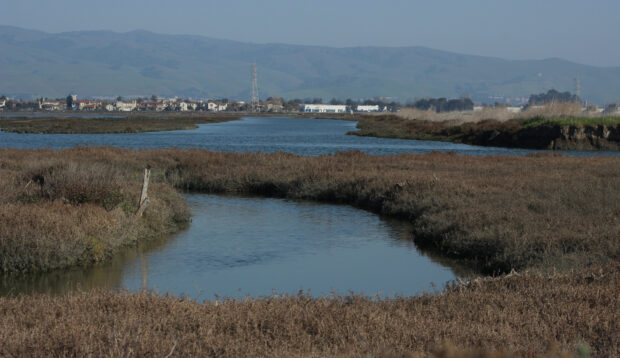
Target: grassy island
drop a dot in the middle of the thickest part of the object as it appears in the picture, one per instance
(132, 123)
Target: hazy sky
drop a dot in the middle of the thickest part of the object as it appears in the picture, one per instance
(578, 30)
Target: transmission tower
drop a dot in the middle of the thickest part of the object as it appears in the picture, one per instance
(577, 87)
(254, 102)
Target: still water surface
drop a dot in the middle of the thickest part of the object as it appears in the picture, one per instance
(254, 246)
(302, 136)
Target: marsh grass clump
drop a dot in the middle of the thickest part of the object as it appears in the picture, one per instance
(58, 212)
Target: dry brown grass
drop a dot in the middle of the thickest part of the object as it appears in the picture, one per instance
(553, 110)
(497, 213)
(58, 212)
(527, 314)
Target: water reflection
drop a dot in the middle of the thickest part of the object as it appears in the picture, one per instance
(237, 246)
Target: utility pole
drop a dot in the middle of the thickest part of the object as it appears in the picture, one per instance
(254, 101)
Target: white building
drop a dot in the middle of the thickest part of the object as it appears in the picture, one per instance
(323, 108)
(183, 107)
(126, 106)
(52, 105)
(2, 103)
(514, 109)
(109, 107)
(217, 107)
(365, 108)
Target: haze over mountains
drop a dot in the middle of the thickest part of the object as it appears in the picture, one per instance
(141, 63)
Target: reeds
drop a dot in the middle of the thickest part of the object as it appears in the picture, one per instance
(501, 114)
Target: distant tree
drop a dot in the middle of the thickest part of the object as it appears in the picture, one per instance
(317, 101)
(395, 106)
(443, 104)
(69, 102)
(552, 96)
(119, 98)
(335, 101)
(613, 108)
(3, 98)
(154, 98)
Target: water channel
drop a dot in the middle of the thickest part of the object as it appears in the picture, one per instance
(255, 246)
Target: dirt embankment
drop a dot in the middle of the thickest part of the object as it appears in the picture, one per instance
(511, 133)
(600, 137)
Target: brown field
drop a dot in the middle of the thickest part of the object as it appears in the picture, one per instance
(528, 315)
(133, 123)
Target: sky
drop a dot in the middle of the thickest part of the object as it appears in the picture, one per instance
(577, 30)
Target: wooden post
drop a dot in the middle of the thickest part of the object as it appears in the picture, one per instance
(144, 198)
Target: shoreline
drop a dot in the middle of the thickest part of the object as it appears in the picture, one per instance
(535, 133)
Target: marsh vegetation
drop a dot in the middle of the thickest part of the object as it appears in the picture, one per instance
(552, 218)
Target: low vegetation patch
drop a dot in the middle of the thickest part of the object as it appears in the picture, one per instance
(573, 314)
(133, 123)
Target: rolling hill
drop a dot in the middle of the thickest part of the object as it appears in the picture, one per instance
(141, 63)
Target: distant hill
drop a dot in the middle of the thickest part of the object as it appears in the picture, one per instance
(104, 63)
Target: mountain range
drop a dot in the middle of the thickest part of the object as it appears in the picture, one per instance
(141, 63)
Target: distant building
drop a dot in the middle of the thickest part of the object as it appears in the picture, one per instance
(126, 106)
(323, 108)
(52, 105)
(513, 109)
(85, 105)
(2, 103)
(365, 108)
(183, 107)
(109, 107)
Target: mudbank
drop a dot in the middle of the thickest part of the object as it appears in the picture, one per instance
(600, 137)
